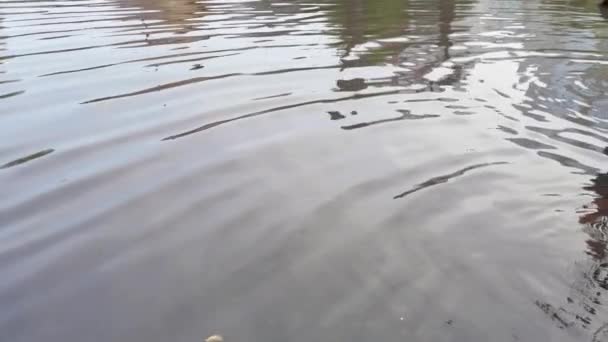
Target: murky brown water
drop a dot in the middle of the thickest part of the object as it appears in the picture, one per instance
(339, 170)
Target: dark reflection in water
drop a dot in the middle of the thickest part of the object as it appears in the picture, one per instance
(405, 115)
(362, 170)
(27, 158)
(161, 16)
(176, 13)
(583, 308)
(364, 21)
(445, 178)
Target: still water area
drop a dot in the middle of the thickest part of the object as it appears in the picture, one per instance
(303, 171)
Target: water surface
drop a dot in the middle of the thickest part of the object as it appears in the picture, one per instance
(335, 170)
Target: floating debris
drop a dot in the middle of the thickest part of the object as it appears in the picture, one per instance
(335, 115)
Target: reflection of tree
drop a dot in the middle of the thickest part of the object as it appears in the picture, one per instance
(598, 73)
(172, 12)
(595, 275)
(570, 88)
(597, 217)
(595, 221)
(583, 305)
(375, 32)
(372, 32)
(556, 72)
(360, 21)
(590, 5)
(446, 17)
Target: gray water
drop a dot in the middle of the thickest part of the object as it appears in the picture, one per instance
(335, 170)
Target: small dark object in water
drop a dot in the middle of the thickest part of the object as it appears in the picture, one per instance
(352, 85)
(197, 67)
(334, 115)
(354, 112)
(449, 322)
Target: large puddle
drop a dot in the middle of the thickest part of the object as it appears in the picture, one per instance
(292, 171)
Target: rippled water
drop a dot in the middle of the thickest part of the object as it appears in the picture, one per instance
(338, 170)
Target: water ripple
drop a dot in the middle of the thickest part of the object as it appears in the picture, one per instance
(273, 218)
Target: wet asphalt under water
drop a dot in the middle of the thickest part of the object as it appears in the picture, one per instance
(338, 170)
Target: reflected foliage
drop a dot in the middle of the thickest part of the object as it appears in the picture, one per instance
(585, 302)
(176, 13)
(395, 32)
